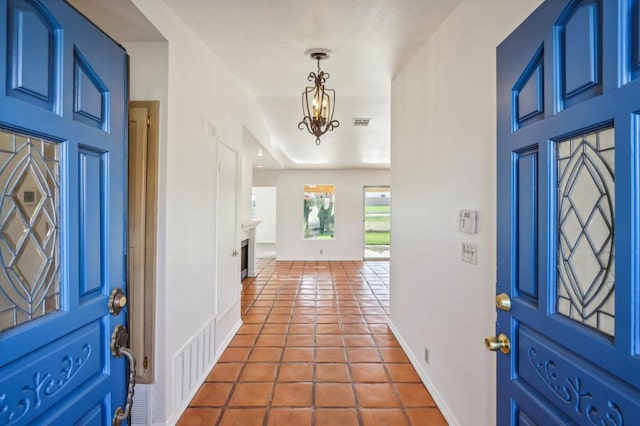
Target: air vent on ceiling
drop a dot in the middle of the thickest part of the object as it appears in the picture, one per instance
(361, 122)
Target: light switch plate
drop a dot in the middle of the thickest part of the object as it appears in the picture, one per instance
(468, 221)
(469, 253)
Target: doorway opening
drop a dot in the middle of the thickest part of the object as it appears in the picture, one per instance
(377, 222)
(263, 208)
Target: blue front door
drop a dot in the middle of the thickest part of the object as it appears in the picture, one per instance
(569, 216)
(62, 210)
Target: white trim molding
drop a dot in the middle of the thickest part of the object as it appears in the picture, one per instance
(437, 398)
(194, 361)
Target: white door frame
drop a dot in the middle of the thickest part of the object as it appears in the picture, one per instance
(222, 252)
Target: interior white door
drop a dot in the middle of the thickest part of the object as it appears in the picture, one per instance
(228, 271)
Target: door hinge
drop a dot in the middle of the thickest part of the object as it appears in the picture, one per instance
(219, 164)
(145, 363)
(148, 121)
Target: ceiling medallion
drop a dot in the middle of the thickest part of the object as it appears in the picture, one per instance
(318, 102)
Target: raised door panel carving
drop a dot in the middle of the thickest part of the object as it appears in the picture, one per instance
(33, 55)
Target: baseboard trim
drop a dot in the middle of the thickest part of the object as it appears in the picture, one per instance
(227, 340)
(319, 259)
(181, 409)
(437, 398)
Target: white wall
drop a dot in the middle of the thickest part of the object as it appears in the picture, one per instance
(148, 79)
(245, 192)
(349, 211)
(203, 96)
(266, 212)
(443, 160)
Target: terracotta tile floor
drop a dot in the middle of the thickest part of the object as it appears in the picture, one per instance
(314, 349)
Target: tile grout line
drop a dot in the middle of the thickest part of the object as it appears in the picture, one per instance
(354, 293)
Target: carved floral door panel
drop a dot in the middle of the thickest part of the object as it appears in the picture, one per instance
(62, 176)
(568, 215)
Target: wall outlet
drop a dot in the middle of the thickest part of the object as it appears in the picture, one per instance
(321, 251)
(469, 253)
(426, 355)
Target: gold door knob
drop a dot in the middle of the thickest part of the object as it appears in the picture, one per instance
(121, 301)
(503, 302)
(500, 343)
(117, 301)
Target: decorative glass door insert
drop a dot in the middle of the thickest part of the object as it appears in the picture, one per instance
(586, 226)
(29, 230)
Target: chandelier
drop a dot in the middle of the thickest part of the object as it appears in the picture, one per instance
(318, 102)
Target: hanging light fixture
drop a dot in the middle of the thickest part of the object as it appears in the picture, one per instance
(318, 102)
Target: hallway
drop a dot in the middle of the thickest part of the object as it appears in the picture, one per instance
(314, 349)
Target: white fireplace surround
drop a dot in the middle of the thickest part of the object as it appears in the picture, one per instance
(248, 232)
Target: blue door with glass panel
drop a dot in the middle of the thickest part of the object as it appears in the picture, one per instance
(62, 210)
(568, 155)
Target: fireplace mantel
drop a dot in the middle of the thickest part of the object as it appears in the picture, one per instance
(248, 232)
(251, 224)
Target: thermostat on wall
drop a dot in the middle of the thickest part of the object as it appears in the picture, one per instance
(468, 221)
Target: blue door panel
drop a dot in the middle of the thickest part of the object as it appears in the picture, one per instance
(38, 381)
(627, 198)
(91, 95)
(578, 39)
(526, 405)
(526, 410)
(94, 417)
(588, 51)
(32, 42)
(528, 92)
(531, 96)
(527, 231)
(34, 50)
(632, 20)
(523, 419)
(76, 407)
(63, 80)
(92, 230)
(582, 392)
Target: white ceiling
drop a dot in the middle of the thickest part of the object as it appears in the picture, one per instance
(263, 44)
(120, 19)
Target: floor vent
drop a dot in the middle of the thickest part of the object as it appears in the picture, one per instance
(361, 122)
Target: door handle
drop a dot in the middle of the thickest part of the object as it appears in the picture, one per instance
(500, 343)
(119, 339)
(503, 302)
(234, 253)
